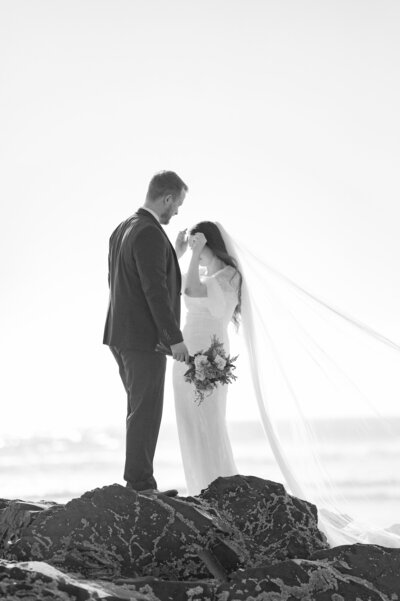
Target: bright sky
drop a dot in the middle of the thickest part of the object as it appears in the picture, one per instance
(282, 117)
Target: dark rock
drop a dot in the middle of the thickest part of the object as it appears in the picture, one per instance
(15, 516)
(113, 531)
(4, 503)
(36, 580)
(172, 590)
(372, 563)
(271, 523)
(243, 538)
(351, 572)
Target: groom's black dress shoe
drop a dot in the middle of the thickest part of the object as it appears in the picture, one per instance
(154, 491)
(149, 492)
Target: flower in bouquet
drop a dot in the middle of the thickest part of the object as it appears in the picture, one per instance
(220, 362)
(210, 368)
(200, 363)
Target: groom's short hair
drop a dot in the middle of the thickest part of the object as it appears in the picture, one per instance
(165, 182)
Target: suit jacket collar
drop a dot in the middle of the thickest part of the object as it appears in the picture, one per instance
(152, 212)
(148, 214)
(145, 213)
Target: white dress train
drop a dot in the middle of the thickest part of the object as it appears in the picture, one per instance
(203, 437)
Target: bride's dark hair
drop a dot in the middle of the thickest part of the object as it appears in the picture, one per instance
(215, 242)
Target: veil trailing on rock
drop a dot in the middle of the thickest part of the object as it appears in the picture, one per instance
(305, 353)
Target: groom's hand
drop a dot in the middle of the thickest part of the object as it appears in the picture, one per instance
(180, 352)
(181, 243)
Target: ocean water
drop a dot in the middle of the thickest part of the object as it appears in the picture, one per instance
(365, 468)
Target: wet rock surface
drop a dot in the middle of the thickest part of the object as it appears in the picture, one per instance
(243, 538)
(272, 524)
(347, 573)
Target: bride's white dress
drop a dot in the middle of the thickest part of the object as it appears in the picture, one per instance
(203, 437)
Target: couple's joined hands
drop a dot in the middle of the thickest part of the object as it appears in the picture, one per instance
(196, 243)
(180, 352)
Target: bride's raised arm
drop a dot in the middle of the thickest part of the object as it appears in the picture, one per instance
(194, 286)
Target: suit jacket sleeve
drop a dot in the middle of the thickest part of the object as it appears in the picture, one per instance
(109, 263)
(150, 254)
(110, 243)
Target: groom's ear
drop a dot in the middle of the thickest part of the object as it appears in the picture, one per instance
(167, 198)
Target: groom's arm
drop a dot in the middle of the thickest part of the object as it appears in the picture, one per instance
(110, 244)
(150, 255)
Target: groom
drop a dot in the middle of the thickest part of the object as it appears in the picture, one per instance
(144, 315)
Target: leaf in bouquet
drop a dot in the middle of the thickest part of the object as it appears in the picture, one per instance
(212, 370)
(216, 344)
(190, 371)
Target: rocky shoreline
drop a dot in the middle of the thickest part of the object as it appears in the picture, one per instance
(243, 538)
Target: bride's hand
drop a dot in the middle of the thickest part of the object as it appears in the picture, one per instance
(198, 242)
(181, 243)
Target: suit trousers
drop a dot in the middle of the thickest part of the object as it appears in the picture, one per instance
(143, 376)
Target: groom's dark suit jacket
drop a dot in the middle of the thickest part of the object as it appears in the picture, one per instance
(145, 286)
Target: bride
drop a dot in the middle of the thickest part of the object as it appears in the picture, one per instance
(317, 356)
(212, 294)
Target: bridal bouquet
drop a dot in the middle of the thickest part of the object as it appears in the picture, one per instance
(210, 368)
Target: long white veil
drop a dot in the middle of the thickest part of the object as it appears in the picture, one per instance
(303, 351)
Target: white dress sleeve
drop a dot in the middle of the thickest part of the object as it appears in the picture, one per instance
(221, 291)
